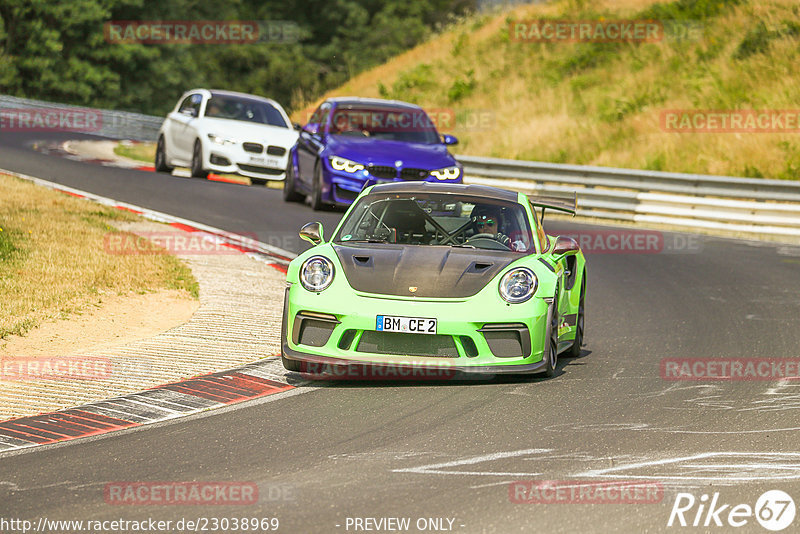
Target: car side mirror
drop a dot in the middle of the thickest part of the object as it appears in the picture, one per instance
(311, 128)
(449, 139)
(564, 245)
(312, 232)
(296, 126)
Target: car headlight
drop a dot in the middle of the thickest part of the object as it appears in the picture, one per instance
(341, 164)
(218, 139)
(448, 173)
(518, 285)
(316, 274)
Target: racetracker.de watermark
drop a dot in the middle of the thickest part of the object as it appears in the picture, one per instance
(622, 241)
(173, 242)
(180, 493)
(585, 492)
(442, 119)
(50, 120)
(411, 371)
(730, 120)
(166, 32)
(604, 31)
(730, 369)
(55, 368)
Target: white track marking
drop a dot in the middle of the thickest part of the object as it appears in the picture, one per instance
(440, 468)
(728, 471)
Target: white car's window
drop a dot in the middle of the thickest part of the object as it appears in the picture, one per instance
(244, 109)
(191, 102)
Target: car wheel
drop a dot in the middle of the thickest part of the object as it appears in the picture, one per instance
(161, 157)
(575, 349)
(258, 181)
(197, 161)
(289, 192)
(552, 343)
(316, 190)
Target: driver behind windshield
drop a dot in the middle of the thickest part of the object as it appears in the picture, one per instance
(489, 222)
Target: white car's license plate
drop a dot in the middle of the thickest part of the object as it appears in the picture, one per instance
(257, 159)
(272, 162)
(411, 325)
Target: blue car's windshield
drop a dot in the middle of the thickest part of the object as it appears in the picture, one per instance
(244, 109)
(381, 122)
(438, 219)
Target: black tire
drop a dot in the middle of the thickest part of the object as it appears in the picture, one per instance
(197, 161)
(161, 157)
(552, 343)
(258, 181)
(575, 350)
(289, 192)
(316, 190)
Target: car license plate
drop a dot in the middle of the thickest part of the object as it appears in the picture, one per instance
(257, 159)
(272, 162)
(411, 325)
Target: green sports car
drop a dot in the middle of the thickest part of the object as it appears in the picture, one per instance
(435, 276)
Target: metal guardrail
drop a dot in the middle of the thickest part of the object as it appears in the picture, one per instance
(747, 205)
(113, 124)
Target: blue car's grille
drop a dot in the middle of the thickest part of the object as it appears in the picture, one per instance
(381, 171)
(414, 174)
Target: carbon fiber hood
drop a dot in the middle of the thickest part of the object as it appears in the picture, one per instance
(442, 272)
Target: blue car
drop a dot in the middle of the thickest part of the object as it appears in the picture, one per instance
(352, 142)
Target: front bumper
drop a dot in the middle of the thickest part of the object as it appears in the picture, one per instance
(316, 333)
(233, 159)
(345, 187)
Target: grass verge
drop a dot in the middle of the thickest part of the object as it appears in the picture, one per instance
(53, 262)
(601, 103)
(145, 152)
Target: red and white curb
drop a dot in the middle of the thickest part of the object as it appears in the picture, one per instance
(273, 256)
(169, 401)
(61, 150)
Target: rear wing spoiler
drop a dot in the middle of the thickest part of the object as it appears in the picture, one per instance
(568, 205)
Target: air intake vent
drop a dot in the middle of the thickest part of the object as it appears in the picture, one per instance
(255, 148)
(441, 346)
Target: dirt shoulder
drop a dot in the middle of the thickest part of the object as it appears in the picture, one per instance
(112, 320)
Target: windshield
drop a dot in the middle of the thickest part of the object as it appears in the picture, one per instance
(244, 109)
(438, 220)
(396, 124)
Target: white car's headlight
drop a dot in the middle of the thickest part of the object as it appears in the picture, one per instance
(448, 173)
(341, 164)
(518, 285)
(218, 139)
(316, 274)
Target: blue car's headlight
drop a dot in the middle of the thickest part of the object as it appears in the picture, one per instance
(316, 274)
(448, 173)
(218, 139)
(518, 285)
(341, 164)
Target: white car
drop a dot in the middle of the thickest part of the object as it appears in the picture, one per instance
(226, 132)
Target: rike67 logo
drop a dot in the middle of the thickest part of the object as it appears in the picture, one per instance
(774, 510)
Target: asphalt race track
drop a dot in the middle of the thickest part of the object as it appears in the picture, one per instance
(449, 450)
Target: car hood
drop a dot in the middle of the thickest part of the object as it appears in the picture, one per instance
(440, 272)
(252, 132)
(385, 152)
